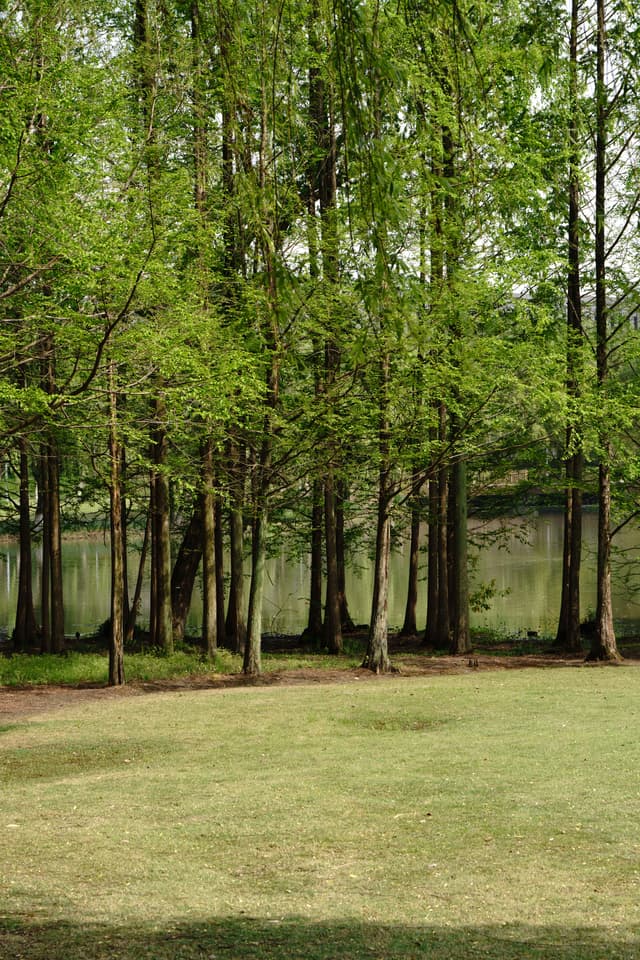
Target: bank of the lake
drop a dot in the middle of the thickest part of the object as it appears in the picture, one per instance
(523, 564)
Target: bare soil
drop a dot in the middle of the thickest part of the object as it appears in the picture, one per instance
(23, 702)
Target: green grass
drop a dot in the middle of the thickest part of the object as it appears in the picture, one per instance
(480, 815)
(93, 668)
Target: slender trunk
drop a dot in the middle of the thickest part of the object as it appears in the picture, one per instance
(443, 631)
(568, 633)
(219, 572)
(346, 623)
(252, 654)
(57, 599)
(332, 619)
(377, 655)
(125, 535)
(185, 570)
(153, 551)
(460, 639)
(410, 626)
(24, 634)
(574, 642)
(603, 646)
(236, 629)
(314, 623)
(325, 187)
(134, 607)
(116, 645)
(431, 629)
(252, 664)
(437, 631)
(45, 585)
(161, 532)
(209, 598)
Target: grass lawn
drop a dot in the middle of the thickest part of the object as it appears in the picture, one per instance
(490, 814)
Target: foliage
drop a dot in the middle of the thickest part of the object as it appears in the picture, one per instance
(161, 217)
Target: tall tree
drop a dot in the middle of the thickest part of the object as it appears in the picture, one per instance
(604, 645)
(568, 633)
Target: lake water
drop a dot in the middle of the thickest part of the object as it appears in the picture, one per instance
(525, 567)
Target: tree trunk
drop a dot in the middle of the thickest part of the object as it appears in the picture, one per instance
(209, 596)
(137, 593)
(161, 533)
(55, 529)
(604, 645)
(346, 623)
(568, 633)
(219, 572)
(262, 474)
(325, 187)
(314, 622)
(377, 656)
(410, 625)
(443, 631)
(252, 664)
(45, 583)
(460, 639)
(433, 580)
(24, 634)
(116, 645)
(332, 619)
(236, 629)
(185, 570)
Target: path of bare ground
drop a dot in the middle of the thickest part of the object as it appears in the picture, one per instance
(408, 661)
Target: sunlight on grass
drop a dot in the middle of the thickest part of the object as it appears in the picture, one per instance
(490, 815)
(93, 668)
(76, 668)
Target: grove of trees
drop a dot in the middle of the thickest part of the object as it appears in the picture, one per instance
(276, 270)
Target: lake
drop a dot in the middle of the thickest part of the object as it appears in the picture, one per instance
(525, 567)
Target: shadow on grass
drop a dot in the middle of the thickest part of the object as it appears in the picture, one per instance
(293, 939)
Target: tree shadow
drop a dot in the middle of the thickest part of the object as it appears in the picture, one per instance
(238, 938)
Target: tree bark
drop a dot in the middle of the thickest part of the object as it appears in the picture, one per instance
(443, 630)
(377, 655)
(603, 646)
(346, 623)
(209, 599)
(410, 624)
(161, 531)
(314, 621)
(45, 582)
(252, 663)
(236, 628)
(24, 634)
(116, 645)
(332, 619)
(55, 545)
(433, 580)
(460, 639)
(185, 570)
(219, 572)
(568, 633)
(134, 607)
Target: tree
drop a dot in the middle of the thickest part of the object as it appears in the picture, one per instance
(568, 634)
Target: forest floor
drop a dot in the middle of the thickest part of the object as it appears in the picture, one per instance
(408, 660)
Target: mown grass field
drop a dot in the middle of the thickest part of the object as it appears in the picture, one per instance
(478, 815)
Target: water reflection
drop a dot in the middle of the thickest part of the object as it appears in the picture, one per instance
(524, 565)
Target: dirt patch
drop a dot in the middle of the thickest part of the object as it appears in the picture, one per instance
(22, 702)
